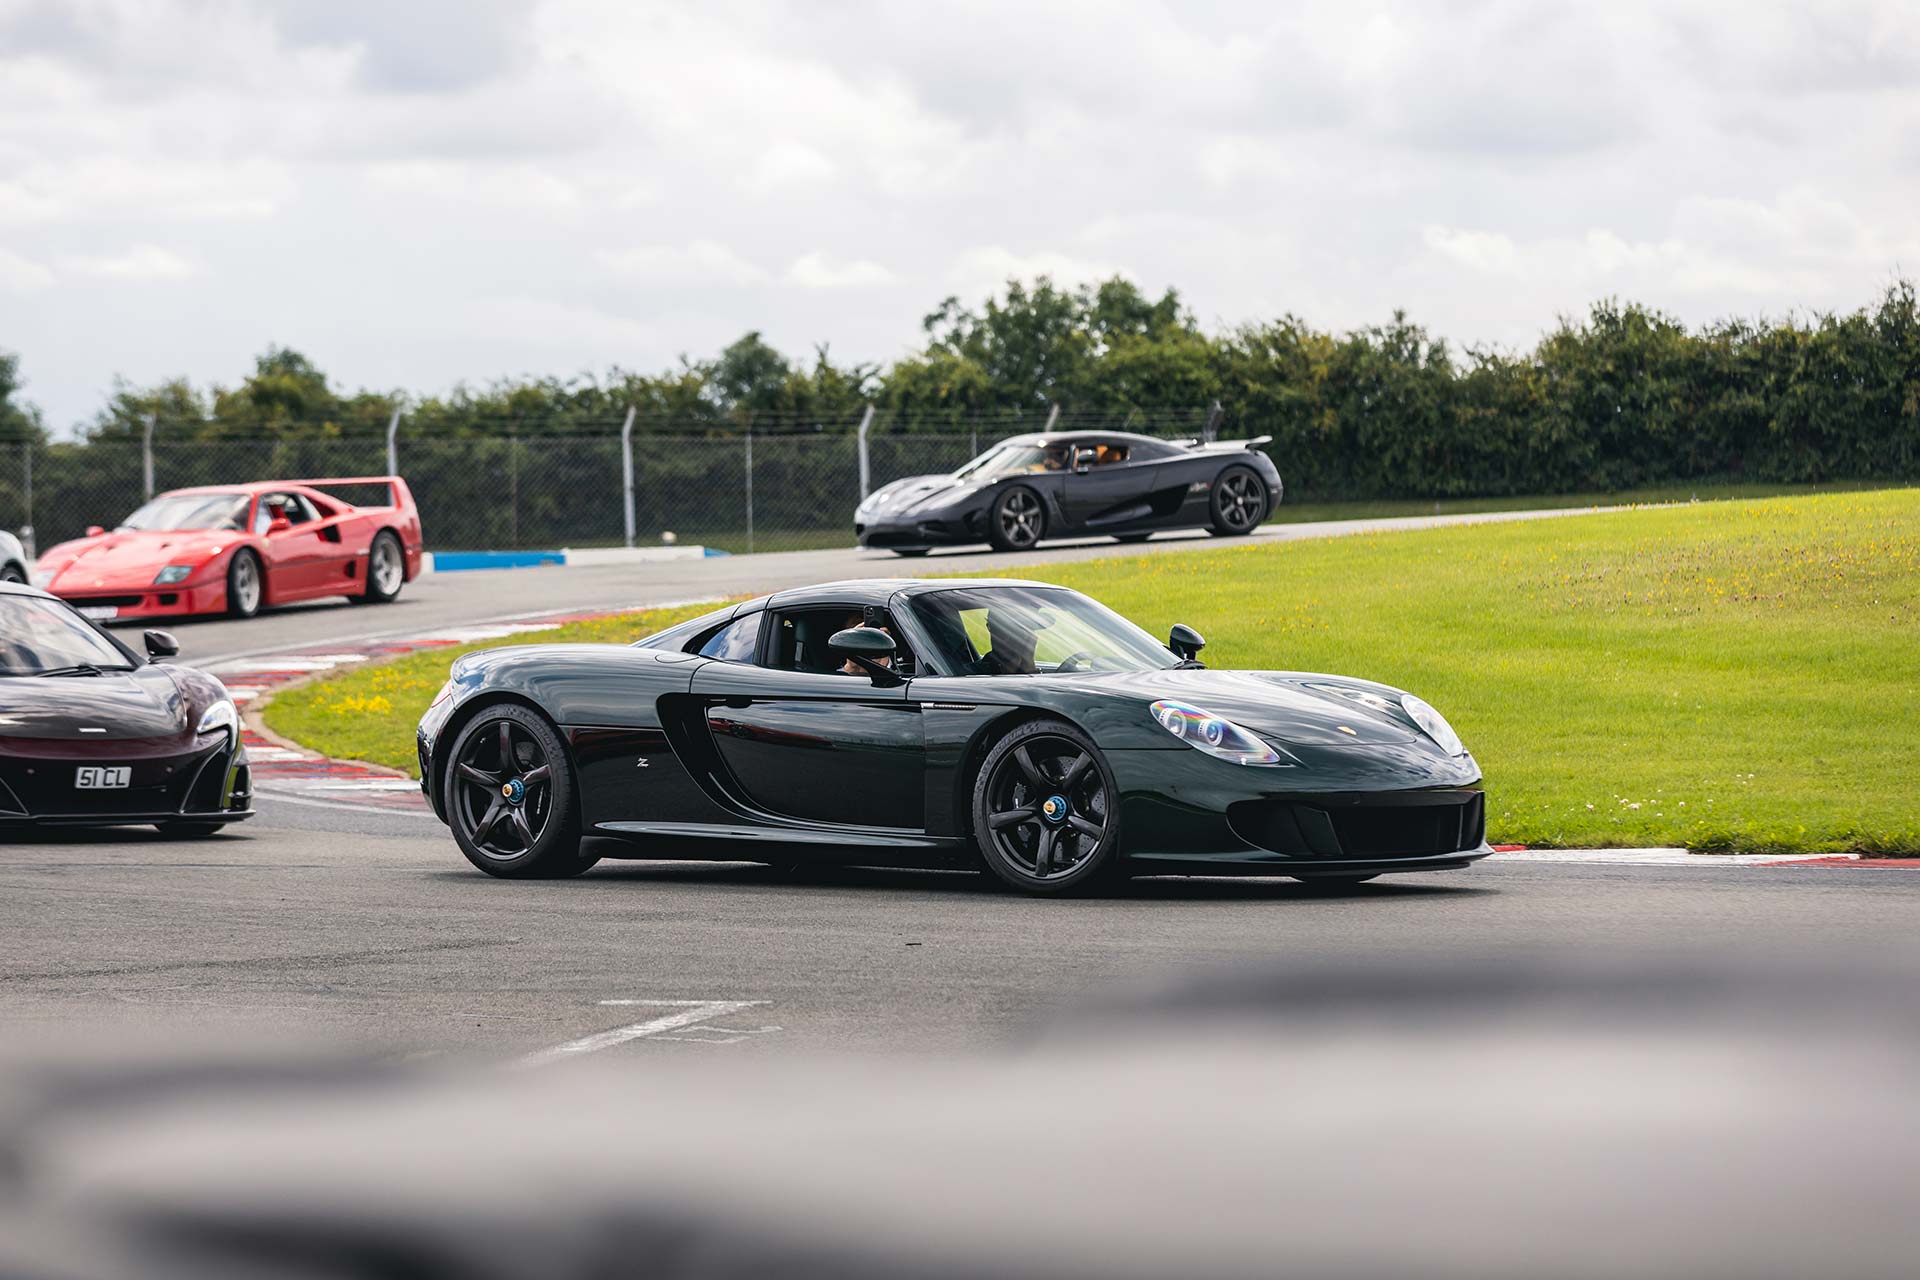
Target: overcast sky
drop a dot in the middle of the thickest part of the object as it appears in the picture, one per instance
(418, 192)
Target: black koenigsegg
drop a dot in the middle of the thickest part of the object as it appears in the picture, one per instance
(92, 734)
(1075, 484)
(1019, 726)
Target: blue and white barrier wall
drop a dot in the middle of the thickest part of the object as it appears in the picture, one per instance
(455, 561)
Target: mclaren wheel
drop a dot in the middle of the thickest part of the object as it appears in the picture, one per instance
(246, 584)
(510, 797)
(1238, 504)
(386, 568)
(1018, 520)
(1045, 812)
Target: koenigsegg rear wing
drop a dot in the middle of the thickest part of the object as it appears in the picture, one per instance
(1227, 446)
(397, 495)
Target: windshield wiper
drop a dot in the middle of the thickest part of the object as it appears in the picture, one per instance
(77, 669)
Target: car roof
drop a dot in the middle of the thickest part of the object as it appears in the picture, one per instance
(879, 591)
(1088, 437)
(22, 589)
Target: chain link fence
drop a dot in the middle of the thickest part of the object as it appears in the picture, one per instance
(509, 490)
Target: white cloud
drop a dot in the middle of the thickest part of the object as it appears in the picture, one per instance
(700, 262)
(143, 262)
(985, 269)
(22, 275)
(818, 271)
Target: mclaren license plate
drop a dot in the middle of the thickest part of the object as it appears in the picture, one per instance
(103, 777)
(100, 612)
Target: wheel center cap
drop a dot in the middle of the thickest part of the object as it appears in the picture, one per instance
(514, 790)
(1054, 809)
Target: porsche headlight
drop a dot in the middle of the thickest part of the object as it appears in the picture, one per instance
(220, 715)
(1433, 724)
(171, 574)
(1215, 735)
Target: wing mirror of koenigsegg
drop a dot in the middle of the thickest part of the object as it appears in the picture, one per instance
(160, 644)
(1083, 459)
(868, 648)
(1185, 642)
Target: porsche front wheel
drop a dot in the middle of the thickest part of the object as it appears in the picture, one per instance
(1045, 810)
(510, 797)
(246, 585)
(1018, 520)
(1239, 502)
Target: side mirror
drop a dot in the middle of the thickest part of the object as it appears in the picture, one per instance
(277, 521)
(867, 648)
(94, 531)
(1186, 642)
(160, 644)
(1083, 460)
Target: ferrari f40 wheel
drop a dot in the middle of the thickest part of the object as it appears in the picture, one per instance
(1017, 521)
(246, 584)
(510, 797)
(1239, 502)
(1045, 811)
(386, 568)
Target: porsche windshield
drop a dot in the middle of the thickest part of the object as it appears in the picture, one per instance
(1012, 459)
(190, 511)
(39, 636)
(1032, 630)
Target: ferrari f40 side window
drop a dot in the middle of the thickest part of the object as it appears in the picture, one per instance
(734, 642)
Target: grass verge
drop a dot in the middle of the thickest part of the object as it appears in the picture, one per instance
(1731, 675)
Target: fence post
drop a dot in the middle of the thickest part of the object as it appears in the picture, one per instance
(393, 445)
(1213, 421)
(866, 469)
(626, 470)
(146, 458)
(26, 499)
(749, 488)
(513, 490)
(1053, 416)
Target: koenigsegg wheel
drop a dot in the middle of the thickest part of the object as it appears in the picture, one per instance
(510, 797)
(188, 830)
(386, 568)
(12, 573)
(1017, 521)
(1238, 504)
(1045, 811)
(246, 584)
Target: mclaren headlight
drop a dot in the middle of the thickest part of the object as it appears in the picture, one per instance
(171, 574)
(1433, 724)
(1215, 735)
(218, 716)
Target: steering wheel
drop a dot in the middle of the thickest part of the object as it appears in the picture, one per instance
(1072, 661)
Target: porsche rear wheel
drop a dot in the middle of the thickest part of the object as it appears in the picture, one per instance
(510, 797)
(246, 586)
(1238, 504)
(386, 568)
(1045, 812)
(1018, 520)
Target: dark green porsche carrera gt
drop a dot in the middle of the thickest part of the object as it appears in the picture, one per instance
(1017, 725)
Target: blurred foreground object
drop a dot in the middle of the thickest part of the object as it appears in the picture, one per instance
(1519, 1119)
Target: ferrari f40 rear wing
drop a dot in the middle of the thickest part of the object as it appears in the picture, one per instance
(398, 496)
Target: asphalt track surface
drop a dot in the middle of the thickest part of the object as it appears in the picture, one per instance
(365, 928)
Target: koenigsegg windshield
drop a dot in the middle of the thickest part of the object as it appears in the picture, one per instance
(39, 637)
(1015, 459)
(1029, 630)
(190, 511)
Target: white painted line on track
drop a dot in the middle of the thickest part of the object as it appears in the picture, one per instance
(687, 1013)
(381, 783)
(277, 796)
(1658, 857)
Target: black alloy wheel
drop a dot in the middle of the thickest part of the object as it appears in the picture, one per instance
(1018, 520)
(1239, 502)
(510, 797)
(1044, 813)
(246, 584)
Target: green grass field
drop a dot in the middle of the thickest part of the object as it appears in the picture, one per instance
(1730, 675)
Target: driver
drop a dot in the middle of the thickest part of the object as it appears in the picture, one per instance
(1010, 646)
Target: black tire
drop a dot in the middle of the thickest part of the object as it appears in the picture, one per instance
(386, 570)
(510, 797)
(188, 830)
(910, 551)
(1333, 884)
(1017, 520)
(245, 595)
(1237, 504)
(1015, 831)
(11, 572)
(1131, 537)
